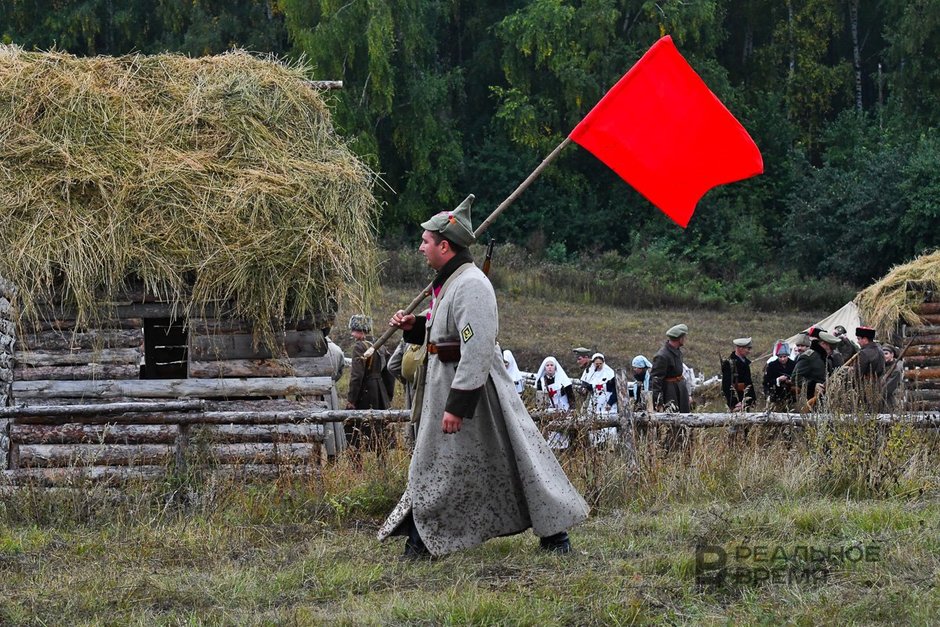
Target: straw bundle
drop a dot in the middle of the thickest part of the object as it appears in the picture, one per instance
(887, 301)
(212, 180)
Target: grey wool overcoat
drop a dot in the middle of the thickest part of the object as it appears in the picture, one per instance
(496, 476)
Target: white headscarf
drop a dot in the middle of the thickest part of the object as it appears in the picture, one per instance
(512, 368)
(561, 378)
(593, 375)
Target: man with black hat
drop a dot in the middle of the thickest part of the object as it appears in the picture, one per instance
(736, 382)
(480, 469)
(667, 385)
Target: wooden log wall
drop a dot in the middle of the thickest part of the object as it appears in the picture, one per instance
(145, 354)
(922, 357)
(7, 346)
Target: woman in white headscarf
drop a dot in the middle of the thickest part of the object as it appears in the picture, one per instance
(603, 384)
(641, 374)
(510, 362)
(555, 385)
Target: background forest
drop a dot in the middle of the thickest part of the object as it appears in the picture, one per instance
(447, 97)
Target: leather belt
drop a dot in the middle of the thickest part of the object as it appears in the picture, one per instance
(674, 379)
(447, 352)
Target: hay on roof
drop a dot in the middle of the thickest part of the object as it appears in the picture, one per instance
(889, 301)
(216, 179)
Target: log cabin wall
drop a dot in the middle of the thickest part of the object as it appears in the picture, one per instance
(56, 362)
(7, 343)
(922, 356)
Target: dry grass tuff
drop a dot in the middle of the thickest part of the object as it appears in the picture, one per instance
(214, 180)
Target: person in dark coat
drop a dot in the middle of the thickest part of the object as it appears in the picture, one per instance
(869, 368)
(736, 383)
(846, 347)
(667, 385)
(810, 372)
(892, 379)
(371, 385)
(778, 384)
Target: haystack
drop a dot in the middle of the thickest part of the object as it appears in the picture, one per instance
(217, 180)
(889, 300)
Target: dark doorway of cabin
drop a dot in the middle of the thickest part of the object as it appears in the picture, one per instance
(166, 349)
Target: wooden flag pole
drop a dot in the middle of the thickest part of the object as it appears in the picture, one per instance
(476, 233)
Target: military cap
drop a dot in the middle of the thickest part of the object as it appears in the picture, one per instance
(359, 322)
(581, 351)
(866, 332)
(803, 340)
(829, 338)
(742, 341)
(454, 225)
(677, 331)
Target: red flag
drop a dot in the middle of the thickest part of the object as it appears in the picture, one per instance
(664, 132)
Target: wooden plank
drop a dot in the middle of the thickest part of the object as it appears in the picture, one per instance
(295, 367)
(228, 417)
(929, 319)
(69, 340)
(57, 455)
(916, 373)
(283, 433)
(927, 339)
(79, 357)
(918, 330)
(242, 346)
(919, 348)
(75, 373)
(78, 433)
(81, 474)
(52, 323)
(90, 409)
(172, 388)
(265, 453)
(923, 395)
(922, 361)
(927, 308)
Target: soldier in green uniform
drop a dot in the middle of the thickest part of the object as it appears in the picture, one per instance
(667, 384)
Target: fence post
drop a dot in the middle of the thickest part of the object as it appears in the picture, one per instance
(625, 415)
(182, 445)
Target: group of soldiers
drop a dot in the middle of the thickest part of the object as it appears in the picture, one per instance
(796, 379)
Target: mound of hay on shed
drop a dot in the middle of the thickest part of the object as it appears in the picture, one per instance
(888, 301)
(216, 180)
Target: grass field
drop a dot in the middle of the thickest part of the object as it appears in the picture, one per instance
(791, 516)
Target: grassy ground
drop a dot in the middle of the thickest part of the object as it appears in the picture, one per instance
(218, 551)
(304, 552)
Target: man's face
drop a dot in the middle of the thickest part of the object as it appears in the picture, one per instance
(679, 341)
(889, 356)
(863, 341)
(433, 252)
(583, 361)
(358, 335)
(799, 349)
(742, 351)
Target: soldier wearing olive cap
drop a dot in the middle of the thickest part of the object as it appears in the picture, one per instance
(811, 372)
(481, 468)
(667, 385)
(736, 382)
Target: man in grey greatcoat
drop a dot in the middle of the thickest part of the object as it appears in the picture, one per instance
(667, 385)
(480, 468)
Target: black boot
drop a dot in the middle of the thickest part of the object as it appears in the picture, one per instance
(557, 543)
(414, 545)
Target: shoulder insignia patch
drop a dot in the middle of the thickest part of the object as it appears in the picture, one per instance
(467, 333)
